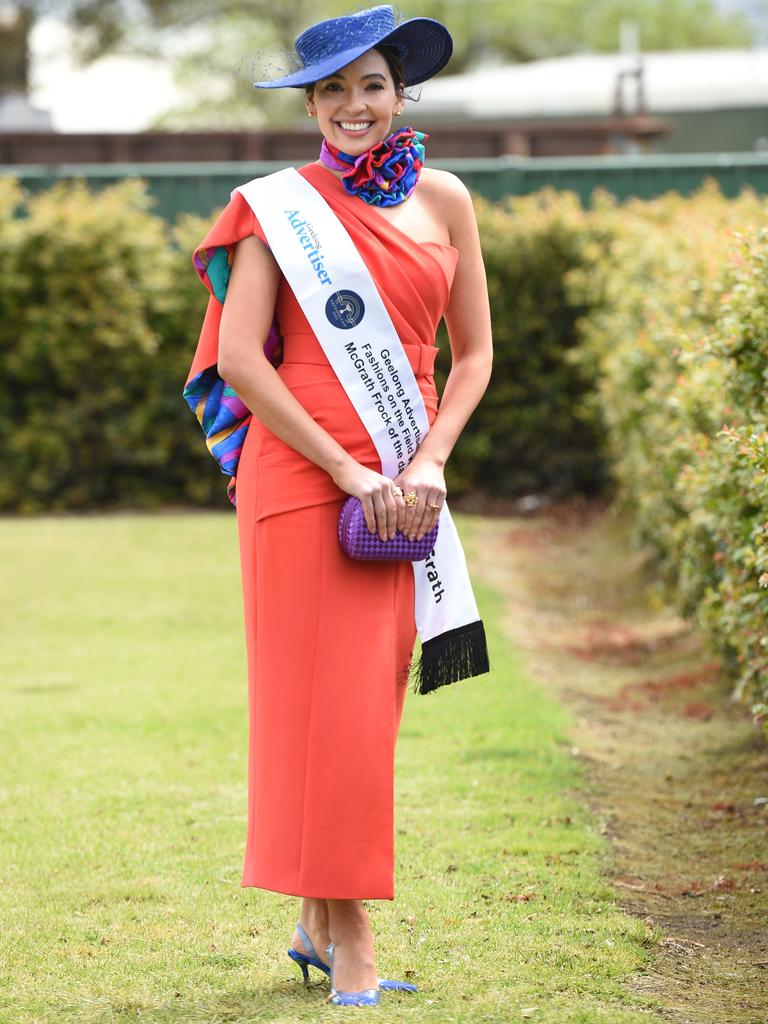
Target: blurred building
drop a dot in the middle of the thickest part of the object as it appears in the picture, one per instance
(18, 115)
(711, 100)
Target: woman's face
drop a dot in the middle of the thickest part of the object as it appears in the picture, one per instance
(355, 106)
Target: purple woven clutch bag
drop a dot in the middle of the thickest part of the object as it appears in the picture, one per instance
(358, 542)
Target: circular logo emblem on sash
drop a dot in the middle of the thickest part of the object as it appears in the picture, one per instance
(345, 310)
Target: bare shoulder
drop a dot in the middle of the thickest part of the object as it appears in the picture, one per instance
(450, 201)
(444, 187)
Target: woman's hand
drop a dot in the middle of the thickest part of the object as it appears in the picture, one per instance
(424, 478)
(383, 508)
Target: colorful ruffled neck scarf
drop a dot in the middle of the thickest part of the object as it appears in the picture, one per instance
(383, 175)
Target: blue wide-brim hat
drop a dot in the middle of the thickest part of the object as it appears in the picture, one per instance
(423, 44)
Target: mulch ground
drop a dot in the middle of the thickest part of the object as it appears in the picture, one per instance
(677, 772)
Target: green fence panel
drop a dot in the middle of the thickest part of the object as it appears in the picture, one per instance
(201, 188)
(648, 176)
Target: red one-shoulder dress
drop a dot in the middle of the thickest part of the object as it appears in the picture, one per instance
(329, 639)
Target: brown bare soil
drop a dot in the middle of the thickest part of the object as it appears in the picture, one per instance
(675, 769)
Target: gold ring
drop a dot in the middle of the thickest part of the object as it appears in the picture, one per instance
(397, 490)
(411, 498)
(435, 507)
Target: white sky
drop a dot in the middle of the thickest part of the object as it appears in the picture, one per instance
(116, 94)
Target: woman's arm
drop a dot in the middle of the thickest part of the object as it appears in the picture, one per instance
(245, 322)
(468, 319)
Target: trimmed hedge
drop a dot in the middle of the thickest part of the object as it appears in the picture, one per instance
(536, 428)
(678, 344)
(723, 488)
(631, 355)
(102, 310)
(653, 294)
(98, 326)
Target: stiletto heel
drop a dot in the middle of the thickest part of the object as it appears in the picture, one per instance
(308, 959)
(368, 996)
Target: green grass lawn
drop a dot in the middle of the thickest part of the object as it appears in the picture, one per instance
(122, 814)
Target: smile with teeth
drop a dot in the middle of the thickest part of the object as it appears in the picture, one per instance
(355, 126)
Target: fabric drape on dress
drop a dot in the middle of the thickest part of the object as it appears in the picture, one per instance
(329, 639)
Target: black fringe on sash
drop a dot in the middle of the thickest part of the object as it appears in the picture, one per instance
(456, 654)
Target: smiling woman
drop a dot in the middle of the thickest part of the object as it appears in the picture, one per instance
(301, 431)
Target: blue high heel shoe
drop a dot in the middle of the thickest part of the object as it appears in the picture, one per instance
(309, 959)
(368, 996)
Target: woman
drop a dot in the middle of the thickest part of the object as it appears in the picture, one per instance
(330, 639)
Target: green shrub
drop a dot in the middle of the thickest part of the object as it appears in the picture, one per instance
(536, 428)
(653, 294)
(10, 228)
(91, 410)
(674, 339)
(725, 489)
(630, 353)
(102, 311)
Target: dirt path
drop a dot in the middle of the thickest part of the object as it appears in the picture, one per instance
(677, 773)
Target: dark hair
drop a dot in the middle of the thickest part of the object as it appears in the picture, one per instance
(395, 64)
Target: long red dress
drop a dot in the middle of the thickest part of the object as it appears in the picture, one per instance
(329, 639)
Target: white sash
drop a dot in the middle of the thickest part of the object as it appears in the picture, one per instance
(342, 304)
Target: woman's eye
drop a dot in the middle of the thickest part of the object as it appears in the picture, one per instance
(335, 86)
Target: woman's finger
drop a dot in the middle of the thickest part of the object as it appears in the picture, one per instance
(391, 511)
(418, 515)
(429, 519)
(368, 512)
(410, 509)
(401, 510)
(397, 493)
(380, 511)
